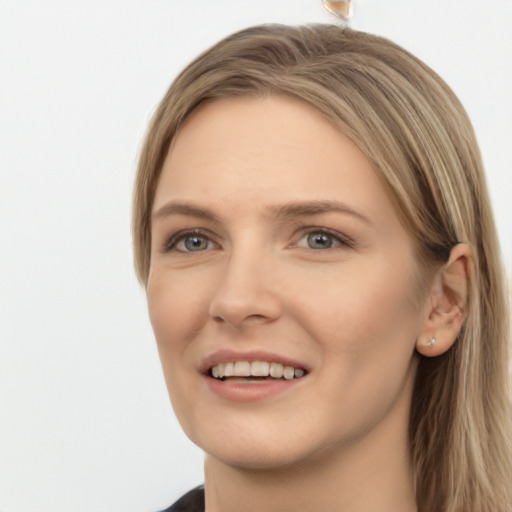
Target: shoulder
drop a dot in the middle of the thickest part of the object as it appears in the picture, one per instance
(193, 501)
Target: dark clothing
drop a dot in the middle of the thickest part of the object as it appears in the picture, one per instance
(193, 501)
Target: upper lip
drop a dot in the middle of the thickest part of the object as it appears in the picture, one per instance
(224, 356)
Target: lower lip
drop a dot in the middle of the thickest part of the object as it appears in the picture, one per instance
(250, 391)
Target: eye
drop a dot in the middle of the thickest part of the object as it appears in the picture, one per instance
(190, 242)
(321, 239)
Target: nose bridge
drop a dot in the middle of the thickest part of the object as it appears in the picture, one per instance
(246, 289)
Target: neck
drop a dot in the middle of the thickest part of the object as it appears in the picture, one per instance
(365, 476)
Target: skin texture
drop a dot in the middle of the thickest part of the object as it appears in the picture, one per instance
(348, 313)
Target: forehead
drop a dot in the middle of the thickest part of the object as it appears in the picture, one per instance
(273, 148)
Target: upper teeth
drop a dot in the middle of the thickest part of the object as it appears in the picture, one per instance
(255, 369)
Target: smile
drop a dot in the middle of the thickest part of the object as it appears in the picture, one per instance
(259, 369)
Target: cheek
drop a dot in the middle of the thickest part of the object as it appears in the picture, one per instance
(176, 316)
(369, 307)
(367, 329)
(175, 308)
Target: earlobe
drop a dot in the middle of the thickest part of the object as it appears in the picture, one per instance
(447, 303)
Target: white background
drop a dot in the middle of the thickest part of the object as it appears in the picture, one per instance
(85, 423)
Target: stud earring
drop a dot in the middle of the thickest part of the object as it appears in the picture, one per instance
(341, 9)
(431, 342)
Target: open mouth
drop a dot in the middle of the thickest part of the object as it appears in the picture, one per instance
(255, 371)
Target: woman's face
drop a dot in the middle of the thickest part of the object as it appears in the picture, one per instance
(274, 243)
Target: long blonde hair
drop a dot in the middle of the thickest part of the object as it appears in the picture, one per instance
(416, 133)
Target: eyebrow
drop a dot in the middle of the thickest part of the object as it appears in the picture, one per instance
(282, 211)
(316, 207)
(181, 208)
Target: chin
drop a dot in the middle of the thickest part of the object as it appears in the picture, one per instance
(248, 453)
(255, 459)
(257, 447)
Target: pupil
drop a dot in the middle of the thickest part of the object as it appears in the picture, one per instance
(195, 243)
(319, 241)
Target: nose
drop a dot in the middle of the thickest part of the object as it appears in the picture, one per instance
(247, 291)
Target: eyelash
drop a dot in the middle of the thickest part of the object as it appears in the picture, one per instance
(181, 236)
(340, 240)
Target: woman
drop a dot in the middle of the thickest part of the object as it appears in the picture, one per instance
(313, 229)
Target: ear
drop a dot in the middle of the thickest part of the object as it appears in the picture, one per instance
(447, 303)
